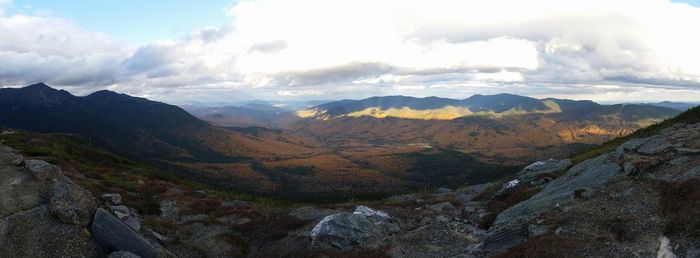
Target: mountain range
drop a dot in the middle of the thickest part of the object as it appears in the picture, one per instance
(332, 153)
(507, 127)
(499, 105)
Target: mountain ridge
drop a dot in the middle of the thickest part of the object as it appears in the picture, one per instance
(435, 108)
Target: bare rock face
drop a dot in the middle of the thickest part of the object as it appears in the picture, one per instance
(510, 226)
(41, 218)
(42, 170)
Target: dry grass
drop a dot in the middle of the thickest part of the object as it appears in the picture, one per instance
(680, 204)
(546, 246)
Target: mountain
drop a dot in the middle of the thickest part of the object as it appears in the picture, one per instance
(507, 127)
(675, 105)
(249, 114)
(130, 125)
(500, 105)
(253, 160)
(98, 202)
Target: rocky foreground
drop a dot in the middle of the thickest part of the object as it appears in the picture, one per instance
(641, 200)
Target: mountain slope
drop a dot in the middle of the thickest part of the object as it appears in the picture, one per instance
(135, 126)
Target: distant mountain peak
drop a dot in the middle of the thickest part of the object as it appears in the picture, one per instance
(38, 85)
(104, 93)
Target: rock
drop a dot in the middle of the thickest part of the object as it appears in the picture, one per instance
(510, 225)
(692, 252)
(559, 231)
(120, 211)
(365, 228)
(114, 234)
(539, 168)
(632, 145)
(465, 198)
(476, 189)
(169, 209)
(534, 230)
(369, 212)
(665, 249)
(156, 236)
(692, 173)
(42, 170)
(679, 161)
(200, 194)
(112, 198)
(442, 219)
(234, 203)
(310, 213)
(443, 206)
(345, 231)
(238, 220)
(195, 217)
(11, 158)
(403, 198)
(127, 215)
(72, 203)
(444, 190)
(34, 232)
(469, 209)
(122, 254)
(688, 151)
(655, 145)
(209, 238)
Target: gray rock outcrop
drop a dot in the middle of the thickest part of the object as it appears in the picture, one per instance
(42, 170)
(32, 221)
(72, 203)
(510, 225)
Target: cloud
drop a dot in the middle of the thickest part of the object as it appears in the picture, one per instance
(270, 47)
(36, 49)
(326, 49)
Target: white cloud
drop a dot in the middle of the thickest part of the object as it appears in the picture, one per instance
(318, 48)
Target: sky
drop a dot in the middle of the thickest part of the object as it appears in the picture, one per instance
(181, 51)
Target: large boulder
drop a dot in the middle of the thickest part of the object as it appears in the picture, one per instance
(365, 227)
(42, 170)
(116, 235)
(535, 174)
(71, 203)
